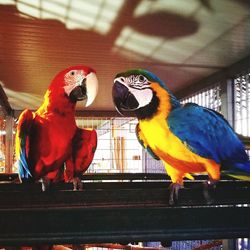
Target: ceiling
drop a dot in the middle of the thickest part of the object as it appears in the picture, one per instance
(181, 41)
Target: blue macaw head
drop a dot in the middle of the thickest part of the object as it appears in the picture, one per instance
(141, 92)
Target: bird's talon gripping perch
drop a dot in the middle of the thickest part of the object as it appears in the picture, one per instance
(174, 193)
(77, 184)
(45, 184)
(209, 187)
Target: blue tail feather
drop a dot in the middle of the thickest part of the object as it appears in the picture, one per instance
(245, 167)
(239, 171)
(22, 136)
(23, 168)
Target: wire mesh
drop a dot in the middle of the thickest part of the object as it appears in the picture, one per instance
(241, 103)
(118, 150)
(2, 143)
(209, 98)
(243, 244)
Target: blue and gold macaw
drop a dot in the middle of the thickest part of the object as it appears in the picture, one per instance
(187, 138)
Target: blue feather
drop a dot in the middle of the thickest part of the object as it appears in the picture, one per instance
(209, 135)
(173, 100)
(23, 168)
(23, 127)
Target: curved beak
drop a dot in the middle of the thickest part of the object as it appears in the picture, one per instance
(79, 92)
(85, 90)
(91, 87)
(123, 99)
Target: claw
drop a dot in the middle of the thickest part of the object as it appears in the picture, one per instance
(77, 184)
(45, 184)
(209, 186)
(174, 193)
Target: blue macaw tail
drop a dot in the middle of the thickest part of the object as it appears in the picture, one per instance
(245, 167)
(239, 171)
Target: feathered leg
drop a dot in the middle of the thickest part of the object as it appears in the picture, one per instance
(83, 149)
(213, 170)
(177, 183)
(77, 184)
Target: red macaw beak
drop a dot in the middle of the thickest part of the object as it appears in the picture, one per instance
(79, 93)
(91, 87)
(86, 90)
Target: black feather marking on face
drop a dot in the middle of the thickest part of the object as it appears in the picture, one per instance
(148, 111)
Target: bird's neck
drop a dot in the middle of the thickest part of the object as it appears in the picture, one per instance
(161, 105)
(57, 104)
(148, 111)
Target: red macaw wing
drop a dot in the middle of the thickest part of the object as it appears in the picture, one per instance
(57, 175)
(83, 148)
(22, 143)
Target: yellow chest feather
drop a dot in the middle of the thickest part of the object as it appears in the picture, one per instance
(158, 136)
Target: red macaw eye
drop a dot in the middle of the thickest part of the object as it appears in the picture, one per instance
(72, 73)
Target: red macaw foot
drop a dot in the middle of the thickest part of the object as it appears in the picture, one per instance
(208, 191)
(45, 183)
(41, 247)
(77, 247)
(77, 184)
(174, 192)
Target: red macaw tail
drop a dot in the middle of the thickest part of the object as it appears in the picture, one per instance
(83, 148)
(22, 141)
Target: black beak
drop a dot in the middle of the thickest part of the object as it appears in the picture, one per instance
(123, 99)
(79, 93)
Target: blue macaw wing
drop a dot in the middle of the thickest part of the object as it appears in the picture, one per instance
(140, 139)
(207, 133)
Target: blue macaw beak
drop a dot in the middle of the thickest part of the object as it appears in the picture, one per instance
(123, 99)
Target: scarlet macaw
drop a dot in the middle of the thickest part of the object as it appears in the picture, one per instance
(187, 138)
(49, 137)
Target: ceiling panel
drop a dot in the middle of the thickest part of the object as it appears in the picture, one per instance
(181, 41)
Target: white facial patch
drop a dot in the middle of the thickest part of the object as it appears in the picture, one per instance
(139, 86)
(73, 79)
(143, 96)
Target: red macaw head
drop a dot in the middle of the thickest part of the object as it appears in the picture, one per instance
(77, 83)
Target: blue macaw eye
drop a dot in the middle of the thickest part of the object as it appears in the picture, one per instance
(141, 78)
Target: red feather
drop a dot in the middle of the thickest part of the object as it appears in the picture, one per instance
(50, 136)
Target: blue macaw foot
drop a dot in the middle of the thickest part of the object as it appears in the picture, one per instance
(208, 191)
(45, 184)
(166, 244)
(174, 192)
(77, 184)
